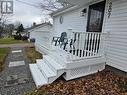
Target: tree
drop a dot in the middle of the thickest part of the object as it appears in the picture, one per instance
(52, 5)
(4, 19)
(20, 29)
(17, 24)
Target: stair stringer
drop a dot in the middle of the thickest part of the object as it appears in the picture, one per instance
(58, 72)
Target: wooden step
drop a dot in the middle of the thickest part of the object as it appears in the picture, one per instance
(52, 63)
(38, 77)
(45, 69)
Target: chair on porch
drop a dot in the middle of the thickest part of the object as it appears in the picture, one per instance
(62, 40)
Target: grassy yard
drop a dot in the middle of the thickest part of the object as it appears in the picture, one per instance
(3, 54)
(11, 41)
(32, 54)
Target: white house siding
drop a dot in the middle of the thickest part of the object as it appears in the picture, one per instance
(34, 34)
(116, 25)
(42, 37)
(71, 20)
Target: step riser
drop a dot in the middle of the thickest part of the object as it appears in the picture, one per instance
(49, 68)
(50, 65)
(37, 75)
(39, 67)
(58, 59)
(44, 74)
(52, 79)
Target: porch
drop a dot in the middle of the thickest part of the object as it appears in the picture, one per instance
(80, 54)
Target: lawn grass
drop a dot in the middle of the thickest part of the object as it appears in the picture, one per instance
(11, 41)
(32, 54)
(3, 54)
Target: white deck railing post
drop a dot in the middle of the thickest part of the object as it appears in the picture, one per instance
(103, 43)
(69, 36)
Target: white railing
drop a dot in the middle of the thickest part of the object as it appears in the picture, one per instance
(85, 44)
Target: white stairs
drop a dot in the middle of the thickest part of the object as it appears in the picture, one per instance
(45, 71)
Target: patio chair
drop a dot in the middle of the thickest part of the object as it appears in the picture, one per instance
(62, 40)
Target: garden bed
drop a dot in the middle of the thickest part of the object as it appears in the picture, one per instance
(3, 53)
(32, 54)
(101, 83)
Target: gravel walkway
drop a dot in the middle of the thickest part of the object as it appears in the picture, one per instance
(16, 80)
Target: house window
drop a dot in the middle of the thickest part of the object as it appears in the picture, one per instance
(61, 19)
(95, 17)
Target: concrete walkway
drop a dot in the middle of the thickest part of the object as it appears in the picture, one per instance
(17, 45)
(16, 78)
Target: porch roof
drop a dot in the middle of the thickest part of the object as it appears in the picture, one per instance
(73, 4)
(79, 2)
(63, 10)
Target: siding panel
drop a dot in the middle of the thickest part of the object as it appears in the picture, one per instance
(71, 20)
(116, 25)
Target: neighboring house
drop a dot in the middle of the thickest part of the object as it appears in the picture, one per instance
(14, 32)
(24, 33)
(97, 35)
(35, 29)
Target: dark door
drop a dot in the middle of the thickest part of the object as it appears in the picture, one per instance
(95, 17)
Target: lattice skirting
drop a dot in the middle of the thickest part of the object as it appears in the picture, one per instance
(83, 71)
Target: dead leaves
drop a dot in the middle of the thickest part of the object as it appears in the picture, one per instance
(101, 83)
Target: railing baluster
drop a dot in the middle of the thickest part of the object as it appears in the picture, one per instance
(91, 53)
(73, 44)
(77, 42)
(97, 44)
(89, 44)
(86, 44)
(82, 44)
(94, 44)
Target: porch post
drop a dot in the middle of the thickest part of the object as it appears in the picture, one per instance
(69, 36)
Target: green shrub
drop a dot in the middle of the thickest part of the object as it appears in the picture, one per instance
(18, 37)
(24, 38)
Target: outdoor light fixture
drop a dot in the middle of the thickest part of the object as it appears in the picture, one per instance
(83, 12)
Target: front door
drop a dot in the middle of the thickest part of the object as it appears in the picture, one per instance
(95, 17)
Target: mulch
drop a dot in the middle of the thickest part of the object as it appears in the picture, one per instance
(102, 83)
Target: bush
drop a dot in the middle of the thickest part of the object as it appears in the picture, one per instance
(18, 37)
(24, 38)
